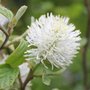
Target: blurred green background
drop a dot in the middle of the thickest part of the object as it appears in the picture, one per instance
(72, 78)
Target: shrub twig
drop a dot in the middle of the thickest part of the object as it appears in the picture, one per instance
(85, 48)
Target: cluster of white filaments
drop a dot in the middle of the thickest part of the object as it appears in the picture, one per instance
(56, 40)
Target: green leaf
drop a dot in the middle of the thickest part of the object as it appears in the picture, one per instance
(19, 14)
(8, 76)
(46, 80)
(6, 12)
(17, 57)
(40, 69)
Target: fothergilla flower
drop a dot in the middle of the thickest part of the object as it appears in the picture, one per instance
(56, 40)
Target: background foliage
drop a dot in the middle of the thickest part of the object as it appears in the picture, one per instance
(72, 78)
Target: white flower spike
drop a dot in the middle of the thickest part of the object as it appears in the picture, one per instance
(56, 40)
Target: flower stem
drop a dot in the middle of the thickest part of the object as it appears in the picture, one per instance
(29, 78)
(6, 39)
